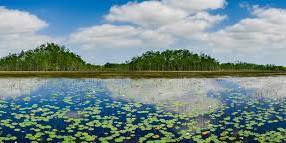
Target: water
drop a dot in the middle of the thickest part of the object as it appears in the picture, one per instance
(143, 110)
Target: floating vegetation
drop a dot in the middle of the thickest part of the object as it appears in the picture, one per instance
(187, 96)
(88, 110)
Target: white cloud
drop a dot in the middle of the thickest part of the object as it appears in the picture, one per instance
(196, 5)
(155, 14)
(188, 23)
(145, 25)
(139, 26)
(111, 36)
(111, 43)
(18, 31)
(132, 28)
(157, 39)
(192, 26)
(14, 43)
(106, 36)
(15, 21)
(146, 14)
(255, 38)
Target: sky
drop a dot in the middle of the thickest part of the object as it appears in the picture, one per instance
(103, 31)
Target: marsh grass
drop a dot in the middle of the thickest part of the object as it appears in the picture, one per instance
(138, 74)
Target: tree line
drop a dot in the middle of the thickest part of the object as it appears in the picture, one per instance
(184, 60)
(47, 57)
(52, 57)
(173, 60)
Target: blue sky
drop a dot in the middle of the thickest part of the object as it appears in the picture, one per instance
(64, 16)
(69, 21)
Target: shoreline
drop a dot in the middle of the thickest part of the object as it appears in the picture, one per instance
(139, 74)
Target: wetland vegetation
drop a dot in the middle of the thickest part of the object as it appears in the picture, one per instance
(143, 110)
(152, 98)
(53, 57)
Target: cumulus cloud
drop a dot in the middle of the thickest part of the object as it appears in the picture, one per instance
(149, 24)
(166, 23)
(265, 34)
(146, 14)
(135, 27)
(15, 21)
(196, 5)
(112, 36)
(18, 31)
(155, 14)
(193, 26)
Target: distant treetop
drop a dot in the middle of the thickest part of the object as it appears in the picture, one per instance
(53, 57)
(47, 57)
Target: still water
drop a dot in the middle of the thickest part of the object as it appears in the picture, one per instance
(143, 110)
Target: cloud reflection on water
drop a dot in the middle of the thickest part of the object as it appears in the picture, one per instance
(179, 95)
(14, 87)
(267, 87)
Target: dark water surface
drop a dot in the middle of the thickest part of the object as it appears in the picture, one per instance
(143, 110)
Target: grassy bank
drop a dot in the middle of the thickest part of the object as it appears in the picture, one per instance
(145, 74)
